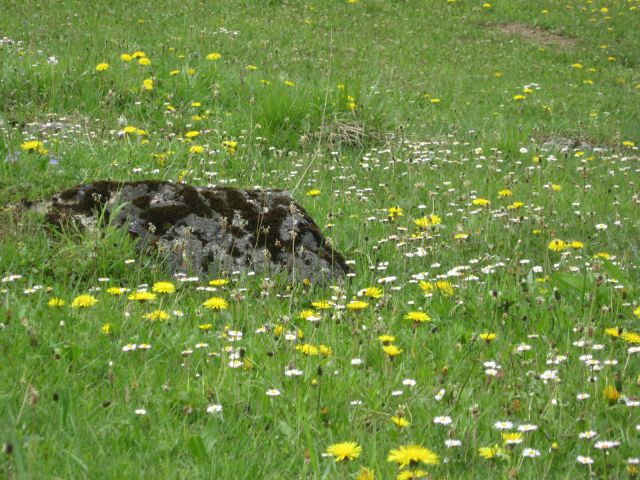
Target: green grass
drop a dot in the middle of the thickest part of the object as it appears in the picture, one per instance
(377, 104)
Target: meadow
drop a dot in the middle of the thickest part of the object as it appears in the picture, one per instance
(478, 164)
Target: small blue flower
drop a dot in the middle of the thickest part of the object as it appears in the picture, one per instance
(12, 157)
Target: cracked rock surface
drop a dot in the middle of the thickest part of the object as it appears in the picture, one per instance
(201, 230)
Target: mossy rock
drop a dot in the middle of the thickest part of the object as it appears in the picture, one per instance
(206, 230)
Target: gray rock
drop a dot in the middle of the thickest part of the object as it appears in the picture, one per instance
(200, 230)
(561, 144)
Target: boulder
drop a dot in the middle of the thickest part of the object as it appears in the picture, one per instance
(206, 230)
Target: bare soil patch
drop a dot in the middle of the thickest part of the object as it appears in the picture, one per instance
(536, 34)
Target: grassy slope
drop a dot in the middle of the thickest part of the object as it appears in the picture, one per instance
(69, 414)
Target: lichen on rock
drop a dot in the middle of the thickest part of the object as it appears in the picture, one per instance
(200, 230)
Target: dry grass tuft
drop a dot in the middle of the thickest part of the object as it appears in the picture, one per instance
(346, 131)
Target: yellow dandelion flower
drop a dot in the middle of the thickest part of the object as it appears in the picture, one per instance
(144, 61)
(106, 328)
(412, 474)
(511, 438)
(444, 287)
(481, 202)
(357, 305)
(163, 287)
(102, 67)
(304, 314)
(344, 451)
(192, 134)
(115, 290)
(418, 317)
(366, 474)
(142, 296)
(491, 452)
(325, 351)
(230, 146)
(613, 332)
(395, 212)
(31, 145)
(412, 455)
(631, 337)
(372, 292)
(321, 305)
(205, 327)
(314, 192)
(218, 282)
(422, 222)
(487, 337)
(214, 56)
(84, 301)
(125, 57)
(386, 339)
(307, 349)
(435, 219)
(216, 303)
(157, 315)
(392, 350)
(56, 302)
(505, 193)
(34, 146)
(427, 287)
(557, 245)
(400, 422)
(611, 394)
